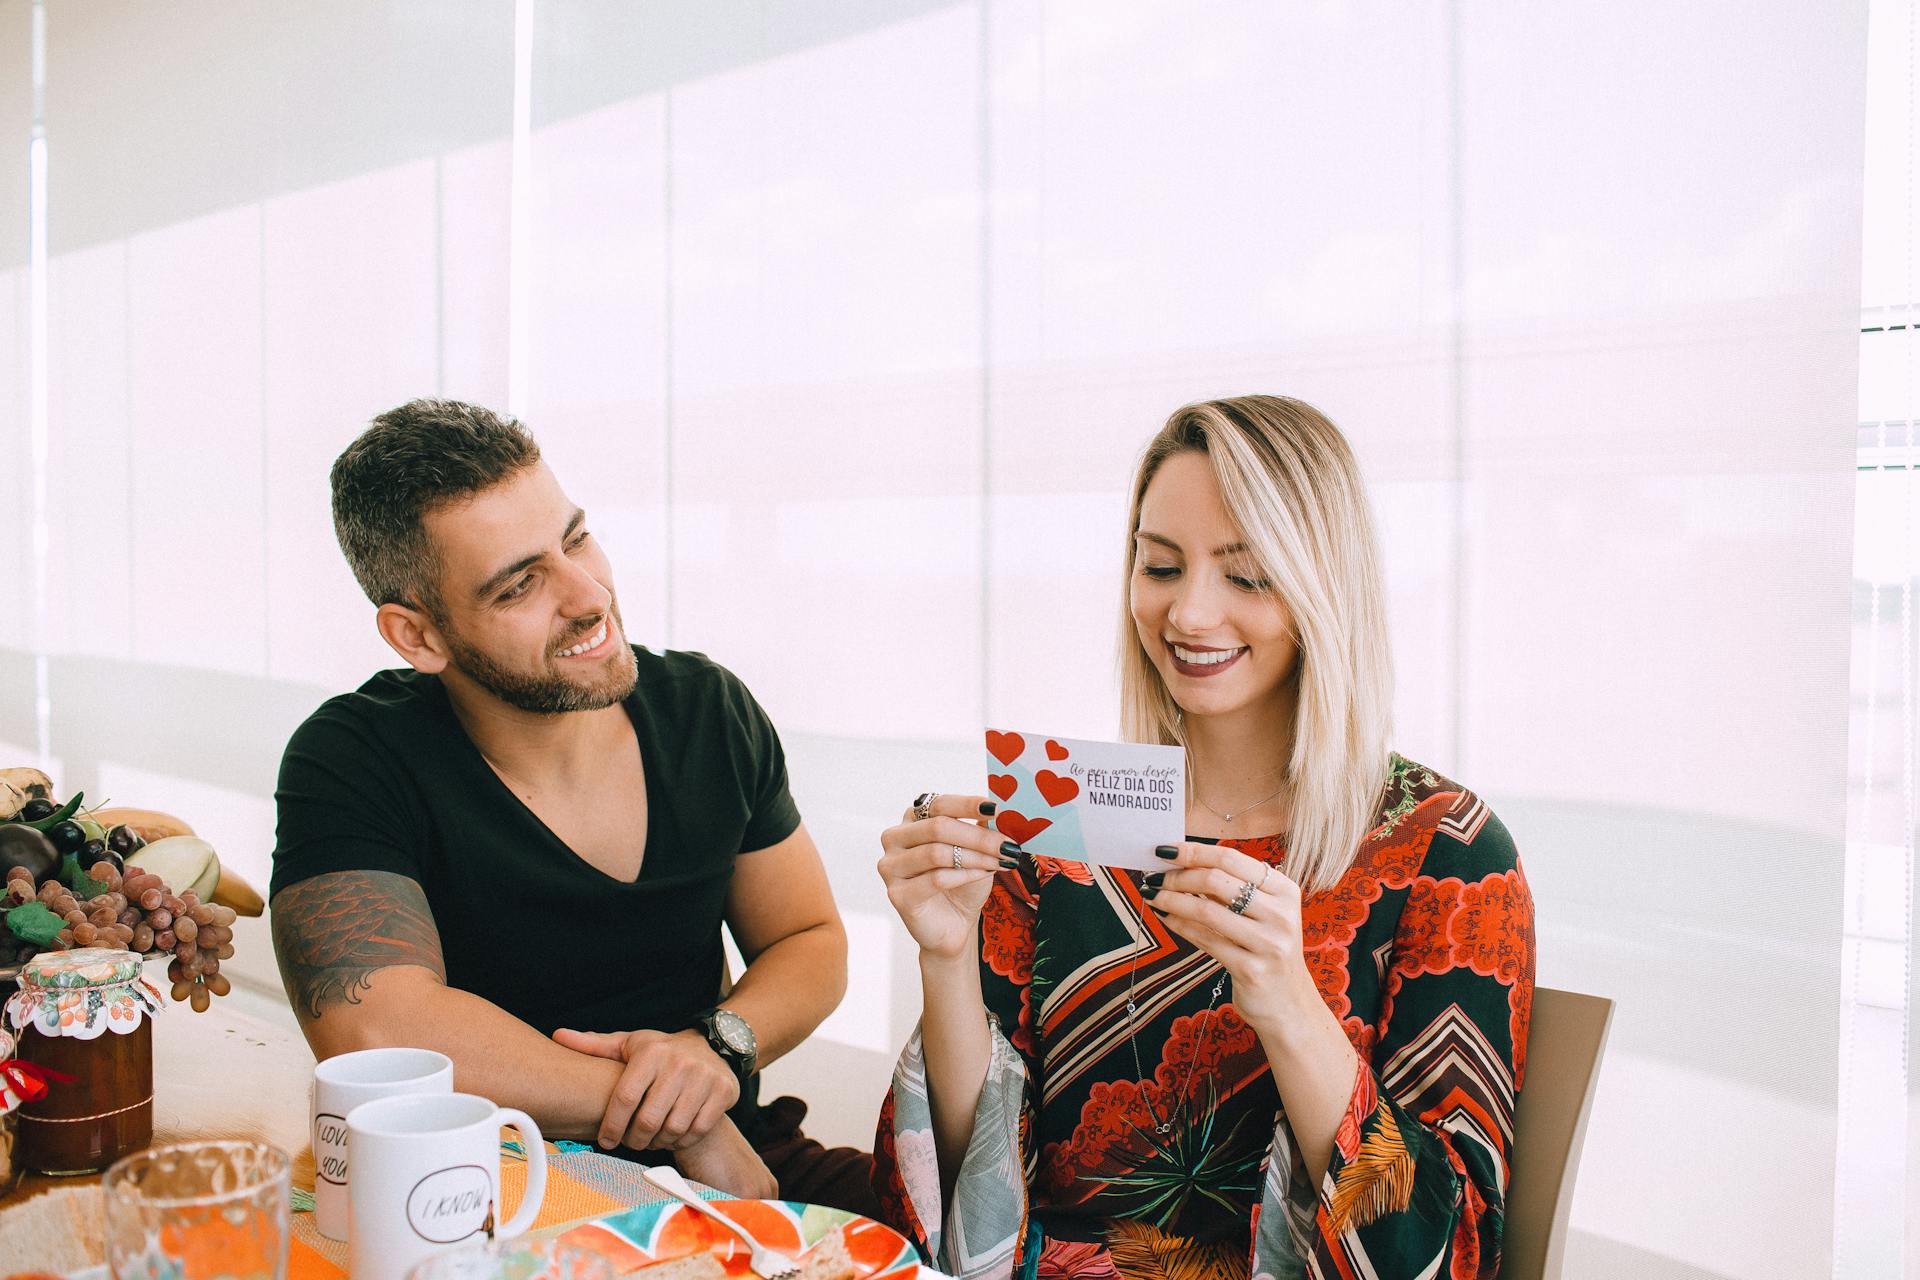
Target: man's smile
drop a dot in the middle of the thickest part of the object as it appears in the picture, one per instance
(592, 644)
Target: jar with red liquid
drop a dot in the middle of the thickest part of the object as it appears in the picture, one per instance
(83, 1022)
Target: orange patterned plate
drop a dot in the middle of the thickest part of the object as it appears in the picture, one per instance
(652, 1233)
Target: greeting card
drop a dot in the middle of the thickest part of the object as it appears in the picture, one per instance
(1105, 802)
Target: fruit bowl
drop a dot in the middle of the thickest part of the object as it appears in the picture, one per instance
(125, 879)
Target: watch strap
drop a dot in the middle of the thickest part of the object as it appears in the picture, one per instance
(742, 1063)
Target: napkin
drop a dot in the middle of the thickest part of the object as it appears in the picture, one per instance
(56, 1231)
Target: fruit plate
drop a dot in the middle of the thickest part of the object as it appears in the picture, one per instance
(651, 1233)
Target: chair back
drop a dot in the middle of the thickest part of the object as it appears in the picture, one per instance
(1564, 1043)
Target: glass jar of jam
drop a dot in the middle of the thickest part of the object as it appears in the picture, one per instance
(82, 1019)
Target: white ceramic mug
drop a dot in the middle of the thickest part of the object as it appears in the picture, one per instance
(426, 1177)
(343, 1083)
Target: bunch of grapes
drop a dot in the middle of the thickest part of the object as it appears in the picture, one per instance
(137, 912)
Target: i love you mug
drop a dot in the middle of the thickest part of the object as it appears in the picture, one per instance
(342, 1083)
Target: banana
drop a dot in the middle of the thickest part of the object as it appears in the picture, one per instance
(232, 891)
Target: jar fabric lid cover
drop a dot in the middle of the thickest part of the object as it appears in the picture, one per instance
(82, 967)
(82, 994)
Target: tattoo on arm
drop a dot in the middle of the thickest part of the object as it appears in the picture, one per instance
(332, 933)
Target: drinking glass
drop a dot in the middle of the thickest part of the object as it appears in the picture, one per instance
(516, 1260)
(198, 1211)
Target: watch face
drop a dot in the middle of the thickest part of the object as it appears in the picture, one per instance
(734, 1030)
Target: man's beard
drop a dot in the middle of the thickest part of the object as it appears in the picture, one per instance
(547, 693)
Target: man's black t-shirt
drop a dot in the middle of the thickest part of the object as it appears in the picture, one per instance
(386, 779)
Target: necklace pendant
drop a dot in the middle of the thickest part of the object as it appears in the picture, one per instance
(1163, 1128)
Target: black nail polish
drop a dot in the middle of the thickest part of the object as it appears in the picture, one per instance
(922, 798)
(1009, 864)
(988, 808)
(1154, 879)
(1151, 892)
(1012, 850)
(1167, 851)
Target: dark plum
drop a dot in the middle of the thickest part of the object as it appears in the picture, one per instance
(22, 846)
(37, 808)
(67, 836)
(124, 841)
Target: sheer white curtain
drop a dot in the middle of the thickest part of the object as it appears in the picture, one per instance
(1879, 1171)
(16, 445)
(845, 322)
(1661, 239)
(1580, 285)
(267, 223)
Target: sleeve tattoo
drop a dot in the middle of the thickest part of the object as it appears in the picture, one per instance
(332, 933)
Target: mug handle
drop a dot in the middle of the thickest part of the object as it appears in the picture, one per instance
(536, 1189)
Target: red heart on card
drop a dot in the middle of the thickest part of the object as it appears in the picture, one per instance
(1056, 789)
(1018, 827)
(1055, 751)
(1005, 747)
(1003, 785)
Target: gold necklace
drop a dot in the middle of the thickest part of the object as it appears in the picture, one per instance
(1194, 797)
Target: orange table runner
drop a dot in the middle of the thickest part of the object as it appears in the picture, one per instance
(580, 1185)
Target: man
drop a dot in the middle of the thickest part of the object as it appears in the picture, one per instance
(519, 850)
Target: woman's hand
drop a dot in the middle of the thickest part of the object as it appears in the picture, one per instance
(938, 871)
(1260, 946)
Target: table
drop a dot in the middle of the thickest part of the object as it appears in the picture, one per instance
(242, 1070)
(225, 1073)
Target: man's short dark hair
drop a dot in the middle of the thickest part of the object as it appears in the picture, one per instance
(407, 462)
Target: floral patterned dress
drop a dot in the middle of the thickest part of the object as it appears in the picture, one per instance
(1151, 1142)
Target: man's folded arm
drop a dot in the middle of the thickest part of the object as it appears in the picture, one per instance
(360, 957)
(781, 912)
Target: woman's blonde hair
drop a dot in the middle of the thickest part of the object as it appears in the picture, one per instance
(1289, 480)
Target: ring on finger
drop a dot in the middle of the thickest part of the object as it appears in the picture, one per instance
(956, 857)
(923, 807)
(1265, 876)
(1242, 899)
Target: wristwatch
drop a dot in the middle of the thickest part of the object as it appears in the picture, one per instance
(729, 1036)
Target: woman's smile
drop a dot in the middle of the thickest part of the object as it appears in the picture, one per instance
(1201, 661)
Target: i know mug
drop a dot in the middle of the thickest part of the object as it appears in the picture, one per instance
(339, 1085)
(426, 1177)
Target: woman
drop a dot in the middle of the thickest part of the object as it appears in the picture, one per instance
(1296, 1050)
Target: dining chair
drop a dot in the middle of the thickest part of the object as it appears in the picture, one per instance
(1564, 1044)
